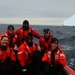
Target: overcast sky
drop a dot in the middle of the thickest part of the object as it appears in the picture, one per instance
(36, 8)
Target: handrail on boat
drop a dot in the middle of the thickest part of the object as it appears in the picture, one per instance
(68, 70)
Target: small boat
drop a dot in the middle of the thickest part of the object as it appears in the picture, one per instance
(65, 71)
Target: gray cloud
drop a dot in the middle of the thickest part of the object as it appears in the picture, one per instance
(37, 8)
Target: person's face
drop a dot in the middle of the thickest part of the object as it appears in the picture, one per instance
(11, 30)
(29, 40)
(46, 35)
(25, 26)
(54, 45)
(4, 41)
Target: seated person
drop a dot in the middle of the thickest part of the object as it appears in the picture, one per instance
(55, 59)
(27, 55)
(45, 40)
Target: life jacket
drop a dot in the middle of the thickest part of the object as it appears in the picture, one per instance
(13, 40)
(59, 57)
(30, 51)
(26, 54)
(21, 33)
(24, 33)
(7, 53)
(45, 43)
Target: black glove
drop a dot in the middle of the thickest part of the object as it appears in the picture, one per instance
(57, 66)
(8, 60)
(1, 63)
(13, 63)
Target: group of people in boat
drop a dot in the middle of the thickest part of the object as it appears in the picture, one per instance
(19, 54)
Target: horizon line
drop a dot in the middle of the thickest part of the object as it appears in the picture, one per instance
(33, 21)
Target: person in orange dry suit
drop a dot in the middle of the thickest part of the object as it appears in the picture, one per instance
(27, 55)
(7, 57)
(54, 60)
(13, 38)
(24, 30)
(45, 40)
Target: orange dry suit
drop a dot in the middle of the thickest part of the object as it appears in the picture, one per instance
(25, 53)
(13, 40)
(23, 33)
(57, 58)
(9, 52)
(45, 45)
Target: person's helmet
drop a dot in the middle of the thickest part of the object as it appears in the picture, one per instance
(46, 30)
(25, 22)
(10, 27)
(54, 40)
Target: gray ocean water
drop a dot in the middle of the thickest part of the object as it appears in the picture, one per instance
(65, 35)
